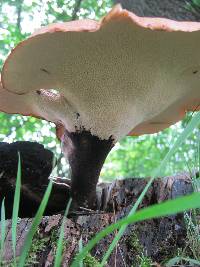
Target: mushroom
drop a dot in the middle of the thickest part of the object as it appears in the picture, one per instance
(123, 75)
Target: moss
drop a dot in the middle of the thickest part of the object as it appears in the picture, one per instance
(134, 243)
(90, 261)
(138, 250)
(8, 264)
(145, 261)
(38, 245)
(55, 236)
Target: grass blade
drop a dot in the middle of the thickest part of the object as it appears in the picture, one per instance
(3, 229)
(80, 244)
(58, 258)
(166, 208)
(176, 260)
(36, 222)
(198, 155)
(123, 228)
(195, 121)
(16, 208)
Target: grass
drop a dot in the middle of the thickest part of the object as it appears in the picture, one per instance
(80, 247)
(192, 221)
(3, 229)
(16, 208)
(166, 208)
(176, 260)
(90, 261)
(58, 257)
(35, 223)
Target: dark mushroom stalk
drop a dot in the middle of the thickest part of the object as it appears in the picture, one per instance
(122, 75)
(86, 154)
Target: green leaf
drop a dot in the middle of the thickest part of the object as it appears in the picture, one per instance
(80, 245)
(196, 2)
(3, 229)
(163, 209)
(58, 258)
(176, 260)
(35, 223)
(16, 208)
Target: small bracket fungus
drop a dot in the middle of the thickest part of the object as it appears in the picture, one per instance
(124, 74)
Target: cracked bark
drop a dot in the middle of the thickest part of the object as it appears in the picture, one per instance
(172, 9)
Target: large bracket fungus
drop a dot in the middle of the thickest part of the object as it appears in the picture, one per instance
(123, 75)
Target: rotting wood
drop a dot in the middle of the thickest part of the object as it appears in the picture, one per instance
(158, 238)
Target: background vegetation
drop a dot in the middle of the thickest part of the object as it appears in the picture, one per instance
(132, 156)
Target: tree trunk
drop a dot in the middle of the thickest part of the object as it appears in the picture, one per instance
(171, 9)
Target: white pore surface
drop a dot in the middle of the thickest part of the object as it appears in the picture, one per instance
(120, 78)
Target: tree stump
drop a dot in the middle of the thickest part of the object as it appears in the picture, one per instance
(158, 239)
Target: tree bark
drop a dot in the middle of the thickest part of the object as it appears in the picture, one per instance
(172, 9)
(36, 166)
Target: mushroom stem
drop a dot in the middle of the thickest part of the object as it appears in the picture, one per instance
(86, 154)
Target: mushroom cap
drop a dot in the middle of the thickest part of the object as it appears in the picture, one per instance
(12, 103)
(124, 74)
(32, 104)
